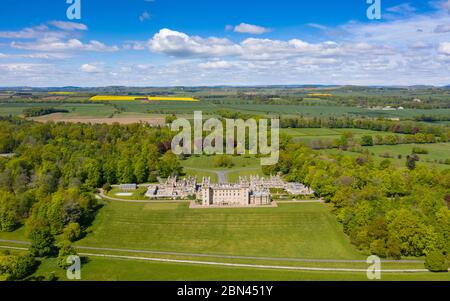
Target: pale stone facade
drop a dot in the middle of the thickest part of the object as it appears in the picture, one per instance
(173, 188)
(253, 191)
(242, 194)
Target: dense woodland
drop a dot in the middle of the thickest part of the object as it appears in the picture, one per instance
(386, 211)
(382, 125)
(48, 185)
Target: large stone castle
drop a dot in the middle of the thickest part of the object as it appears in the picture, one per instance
(252, 191)
(242, 194)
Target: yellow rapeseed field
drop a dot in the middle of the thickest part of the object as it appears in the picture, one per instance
(172, 99)
(319, 95)
(61, 93)
(134, 98)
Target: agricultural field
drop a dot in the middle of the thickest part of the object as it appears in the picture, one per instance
(311, 108)
(122, 118)
(139, 98)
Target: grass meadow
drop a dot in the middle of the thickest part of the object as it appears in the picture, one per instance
(291, 230)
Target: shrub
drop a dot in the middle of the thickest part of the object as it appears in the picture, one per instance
(72, 232)
(436, 261)
(42, 242)
(64, 252)
(419, 151)
(223, 161)
(16, 267)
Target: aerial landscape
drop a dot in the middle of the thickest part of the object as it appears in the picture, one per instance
(286, 147)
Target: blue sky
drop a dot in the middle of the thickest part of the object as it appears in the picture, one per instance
(214, 42)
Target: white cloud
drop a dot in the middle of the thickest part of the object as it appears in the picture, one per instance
(405, 50)
(216, 65)
(252, 29)
(69, 26)
(55, 44)
(176, 43)
(444, 48)
(29, 33)
(88, 68)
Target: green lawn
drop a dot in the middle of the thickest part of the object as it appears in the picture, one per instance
(200, 166)
(292, 230)
(207, 162)
(138, 194)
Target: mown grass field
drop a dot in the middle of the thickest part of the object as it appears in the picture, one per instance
(291, 230)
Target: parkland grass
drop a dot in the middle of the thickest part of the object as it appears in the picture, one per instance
(291, 230)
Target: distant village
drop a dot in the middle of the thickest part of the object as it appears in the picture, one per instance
(249, 191)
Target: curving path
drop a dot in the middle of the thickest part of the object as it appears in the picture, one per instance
(255, 266)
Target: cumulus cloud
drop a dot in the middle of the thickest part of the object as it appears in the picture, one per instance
(88, 68)
(249, 28)
(176, 43)
(182, 45)
(409, 49)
